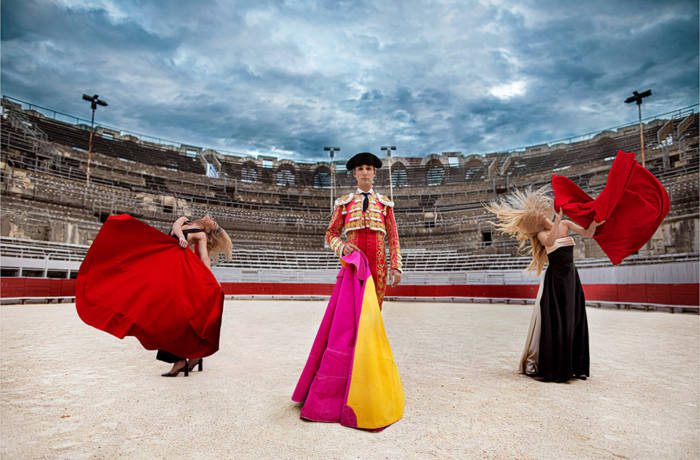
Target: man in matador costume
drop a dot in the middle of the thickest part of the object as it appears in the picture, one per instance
(364, 221)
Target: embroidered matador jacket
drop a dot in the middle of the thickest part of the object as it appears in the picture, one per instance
(369, 230)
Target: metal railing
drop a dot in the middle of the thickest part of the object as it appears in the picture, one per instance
(413, 260)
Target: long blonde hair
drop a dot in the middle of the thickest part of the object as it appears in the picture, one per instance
(522, 215)
(218, 241)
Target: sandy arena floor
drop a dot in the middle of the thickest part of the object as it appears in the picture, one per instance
(71, 391)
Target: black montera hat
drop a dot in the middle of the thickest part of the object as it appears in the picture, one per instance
(363, 158)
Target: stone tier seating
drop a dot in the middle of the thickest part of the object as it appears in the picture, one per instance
(73, 136)
(299, 260)
(45, 182)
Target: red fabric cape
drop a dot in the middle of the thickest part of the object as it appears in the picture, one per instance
(136, 280)
(633, 204)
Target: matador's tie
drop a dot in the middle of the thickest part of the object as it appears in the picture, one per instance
(365, 202)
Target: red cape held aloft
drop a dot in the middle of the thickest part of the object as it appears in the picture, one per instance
(633, 204)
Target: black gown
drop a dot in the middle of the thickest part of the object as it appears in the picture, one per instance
(563, 343)
(163, 355)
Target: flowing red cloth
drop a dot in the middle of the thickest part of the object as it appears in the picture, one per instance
(136, 280)
(633, 204)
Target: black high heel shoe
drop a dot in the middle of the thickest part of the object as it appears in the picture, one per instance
(198, 363)
(174, 373)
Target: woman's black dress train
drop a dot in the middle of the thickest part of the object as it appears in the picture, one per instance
(561, 352)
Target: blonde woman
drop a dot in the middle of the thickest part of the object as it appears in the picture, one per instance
(138, 281)
(207, 239)
(557, 345)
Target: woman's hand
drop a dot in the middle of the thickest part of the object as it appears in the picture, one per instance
(177, 230)
(183, 242)
(349, 248)
(558, 217)
(590, 231)
(395, 277)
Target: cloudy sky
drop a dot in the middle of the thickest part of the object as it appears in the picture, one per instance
(288, 77)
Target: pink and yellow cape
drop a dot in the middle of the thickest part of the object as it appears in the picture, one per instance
(350, 376)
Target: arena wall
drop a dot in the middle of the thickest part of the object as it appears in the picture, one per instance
(279, 205)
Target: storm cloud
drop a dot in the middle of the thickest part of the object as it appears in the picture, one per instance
(286, 78)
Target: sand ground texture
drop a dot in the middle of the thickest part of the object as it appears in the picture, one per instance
(71, 391)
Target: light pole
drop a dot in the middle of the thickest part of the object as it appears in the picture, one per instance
(637, 98)
(331, 152)
(388, 149)
(94, 102)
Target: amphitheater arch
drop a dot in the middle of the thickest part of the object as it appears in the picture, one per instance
(249, 172)
(474, 160)
(434, 172)
(286, 174)
(434, 157)
(474, 167)
(399, 174)
(322, 177)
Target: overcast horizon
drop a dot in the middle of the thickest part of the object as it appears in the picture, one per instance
(287, 78)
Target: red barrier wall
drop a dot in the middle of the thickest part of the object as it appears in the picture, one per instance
(670, 294)
(277, 289)
(36, 287)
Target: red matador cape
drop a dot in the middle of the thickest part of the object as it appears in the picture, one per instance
(369, 231)
(633, 204)
(136, 280)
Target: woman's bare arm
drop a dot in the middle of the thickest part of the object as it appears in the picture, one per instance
(202, 251)
(548, 237)
(587, 232)
(177, 231)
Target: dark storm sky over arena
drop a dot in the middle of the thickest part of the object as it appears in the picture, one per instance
(287, 78)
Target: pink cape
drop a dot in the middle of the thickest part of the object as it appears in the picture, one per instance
(350, 376)
(633, 204)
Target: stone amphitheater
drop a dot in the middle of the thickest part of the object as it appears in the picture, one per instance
(456, 327)
(283, 205)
